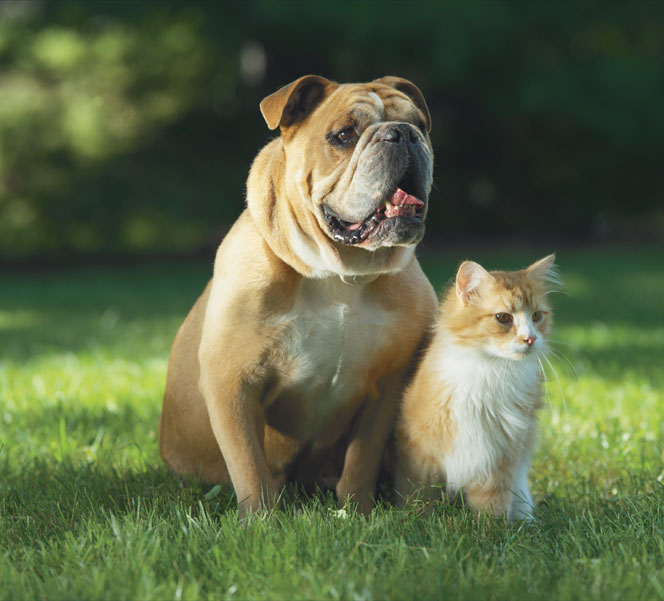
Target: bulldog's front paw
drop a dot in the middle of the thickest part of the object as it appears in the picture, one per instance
(362, 501)
(259, 503)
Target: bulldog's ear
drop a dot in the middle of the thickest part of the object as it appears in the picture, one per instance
(294, 101)
(410, 90)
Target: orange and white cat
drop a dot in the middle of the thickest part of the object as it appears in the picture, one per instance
(468, 418)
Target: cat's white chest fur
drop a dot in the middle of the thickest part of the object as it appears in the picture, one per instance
(487, 404)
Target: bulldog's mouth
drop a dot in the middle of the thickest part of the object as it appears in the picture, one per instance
(401, 204)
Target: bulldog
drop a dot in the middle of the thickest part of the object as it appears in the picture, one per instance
(290, 365)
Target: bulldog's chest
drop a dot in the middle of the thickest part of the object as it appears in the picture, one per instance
(329, 341)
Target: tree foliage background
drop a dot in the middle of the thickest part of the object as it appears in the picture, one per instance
(130, 127)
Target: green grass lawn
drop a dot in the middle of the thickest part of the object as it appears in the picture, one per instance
(87, 510)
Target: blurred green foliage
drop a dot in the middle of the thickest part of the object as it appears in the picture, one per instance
(130, 127)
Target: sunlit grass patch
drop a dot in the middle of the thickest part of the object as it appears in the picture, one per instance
(87, 510)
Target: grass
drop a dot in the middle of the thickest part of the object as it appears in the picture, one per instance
(88, 511)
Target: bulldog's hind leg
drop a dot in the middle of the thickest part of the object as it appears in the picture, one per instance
(192, 453)
(186, 441)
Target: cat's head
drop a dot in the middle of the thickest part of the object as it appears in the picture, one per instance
(504, 313)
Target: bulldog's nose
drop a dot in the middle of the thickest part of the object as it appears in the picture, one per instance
(391, 135)
(397, 133)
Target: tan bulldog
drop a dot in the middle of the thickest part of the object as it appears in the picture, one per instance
(290, 365)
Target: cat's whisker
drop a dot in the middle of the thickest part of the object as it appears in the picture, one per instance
(553, 348)
(555, 373)
(559, 355)
(544, 379)
(558, 341)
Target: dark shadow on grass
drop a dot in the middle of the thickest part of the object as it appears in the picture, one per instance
(87, 309)
(47, 498)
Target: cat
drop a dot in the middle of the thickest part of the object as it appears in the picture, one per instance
(468, 418)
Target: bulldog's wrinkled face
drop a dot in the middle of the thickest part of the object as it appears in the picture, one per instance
(363, 161)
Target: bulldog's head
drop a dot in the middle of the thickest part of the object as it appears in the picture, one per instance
(357, 171)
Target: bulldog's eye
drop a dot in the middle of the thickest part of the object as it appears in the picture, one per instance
(346, 135)
(504, 318)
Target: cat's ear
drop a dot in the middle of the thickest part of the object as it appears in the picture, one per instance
(470, 278)
(545, 271)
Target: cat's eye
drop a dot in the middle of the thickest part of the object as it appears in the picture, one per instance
(504, 318)
(537, 316)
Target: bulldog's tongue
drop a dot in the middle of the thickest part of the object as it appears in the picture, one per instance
(403, 198)
(402, 203)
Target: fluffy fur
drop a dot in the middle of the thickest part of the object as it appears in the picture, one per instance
(468, 418)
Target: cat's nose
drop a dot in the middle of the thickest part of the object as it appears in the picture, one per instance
(530, 339)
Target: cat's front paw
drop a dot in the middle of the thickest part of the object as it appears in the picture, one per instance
(522, 508)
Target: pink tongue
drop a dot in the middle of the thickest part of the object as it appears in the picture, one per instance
(399, 199)
(403, 198)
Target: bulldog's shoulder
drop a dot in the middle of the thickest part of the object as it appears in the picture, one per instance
(411, 292)
(248, 277)
(244, 253)
(266, 165)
